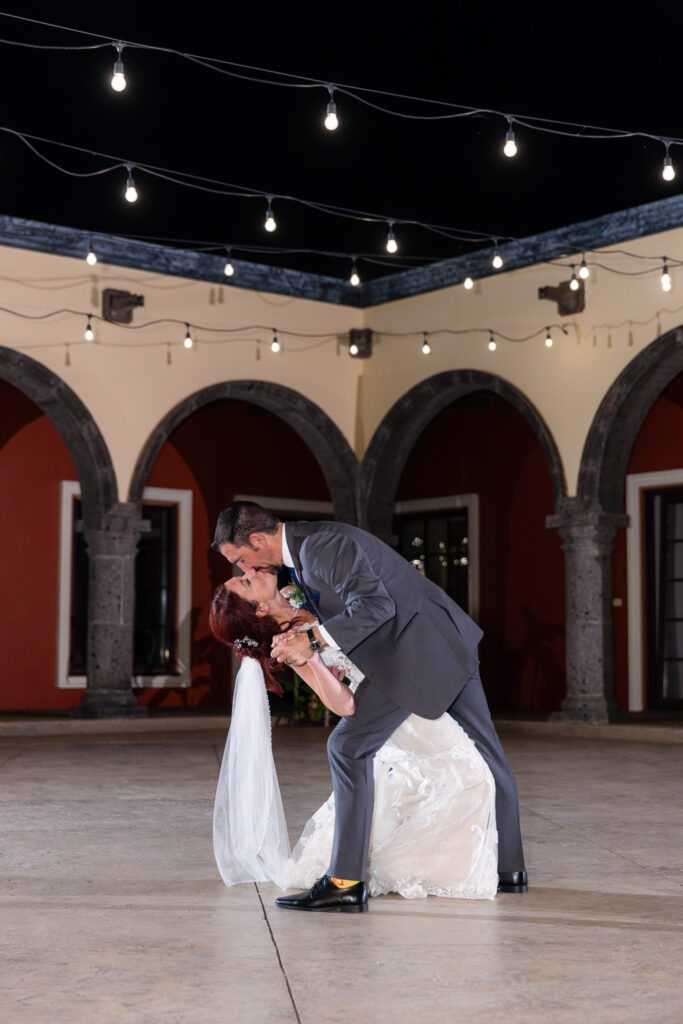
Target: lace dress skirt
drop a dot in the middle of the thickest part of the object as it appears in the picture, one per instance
(434, 826)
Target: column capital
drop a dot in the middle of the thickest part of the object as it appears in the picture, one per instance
(575, 517)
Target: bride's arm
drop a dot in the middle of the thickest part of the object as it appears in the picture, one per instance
(334, 694)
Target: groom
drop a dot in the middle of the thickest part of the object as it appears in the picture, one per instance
(418, 651)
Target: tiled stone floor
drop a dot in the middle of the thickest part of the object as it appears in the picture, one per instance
(112, 910)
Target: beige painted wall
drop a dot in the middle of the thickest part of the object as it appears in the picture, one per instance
(123, 376)
(565, 383)
(124, 379)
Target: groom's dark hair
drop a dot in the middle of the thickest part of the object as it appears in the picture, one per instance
(239, 520)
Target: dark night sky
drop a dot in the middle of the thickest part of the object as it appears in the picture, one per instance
(582, 62)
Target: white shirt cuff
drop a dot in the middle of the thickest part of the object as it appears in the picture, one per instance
(328, 639)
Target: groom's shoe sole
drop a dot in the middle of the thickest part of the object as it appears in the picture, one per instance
(343, 908)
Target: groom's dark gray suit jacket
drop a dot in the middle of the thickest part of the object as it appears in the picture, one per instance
(412, 642)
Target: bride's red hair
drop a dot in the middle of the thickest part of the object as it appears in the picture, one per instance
(234, 618)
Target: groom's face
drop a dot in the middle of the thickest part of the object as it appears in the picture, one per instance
(261, 556)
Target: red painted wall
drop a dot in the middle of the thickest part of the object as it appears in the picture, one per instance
(659, 446)
(33, 459)
(219, 451)
(494, 453)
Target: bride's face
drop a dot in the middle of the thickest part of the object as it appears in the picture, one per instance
(262, 586)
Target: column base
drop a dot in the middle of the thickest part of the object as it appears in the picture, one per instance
(590, 708)
(108, 704)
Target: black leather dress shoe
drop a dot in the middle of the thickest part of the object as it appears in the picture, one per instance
(325, 895)
(513, 881)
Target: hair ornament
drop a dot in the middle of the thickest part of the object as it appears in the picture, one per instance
(246, 641)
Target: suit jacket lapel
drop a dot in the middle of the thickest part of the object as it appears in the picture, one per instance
(294, 544)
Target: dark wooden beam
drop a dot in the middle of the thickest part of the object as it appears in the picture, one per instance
(160, 259)
(610, 229)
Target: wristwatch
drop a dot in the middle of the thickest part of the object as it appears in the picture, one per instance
(313, 642)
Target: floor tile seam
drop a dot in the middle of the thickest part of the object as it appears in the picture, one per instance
(12, 757)
(608, 849)
(277, 953)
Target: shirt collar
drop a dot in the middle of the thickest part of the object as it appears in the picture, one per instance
(286, 557)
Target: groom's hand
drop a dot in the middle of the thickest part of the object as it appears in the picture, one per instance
(291, 649)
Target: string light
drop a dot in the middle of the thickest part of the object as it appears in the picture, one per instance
(510, 147)
(118, 79)
(188, 343)
(497, 261)
(91, 258)
(354, 280)
(391, 243)
(584, 272)
(548, 338)
(492, 343)
(270, 223)
(89, 334)
(331, 119)
(169, 357)
(353, 349)
(668, 169)
(468, 283)
(228, 269)
(131, 192)
(67, 355)
(426, 347)
(275, 344)
(665, 279)
(574, 284)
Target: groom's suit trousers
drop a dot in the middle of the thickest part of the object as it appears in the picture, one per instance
(357, 739)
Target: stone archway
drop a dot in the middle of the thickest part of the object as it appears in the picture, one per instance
(111, 532)
(398, 432)
(589, 523)
(74, 422)
(329, 446)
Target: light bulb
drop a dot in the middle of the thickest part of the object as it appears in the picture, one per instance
(426, 347)
(91, 258)
(665, 279)
(275, 344)
(584, 272)
(131, 191)
(270, 223)
(89, 334)
(391, 243)
(510, 147)
(492, 344)
(468, 283)
(548, 339)
(497, 261)
(668, 170)
(331, 120)
(353, 349)
(228, 269)
(118, 79)
(355, 277)
(574, 284)
(188, 343)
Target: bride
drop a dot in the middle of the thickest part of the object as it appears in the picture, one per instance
(433, 830)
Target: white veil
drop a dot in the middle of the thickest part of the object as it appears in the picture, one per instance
(250, 841)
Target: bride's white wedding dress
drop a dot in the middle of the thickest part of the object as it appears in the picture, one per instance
(434, 827)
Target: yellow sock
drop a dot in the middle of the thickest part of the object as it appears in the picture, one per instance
(344, 883)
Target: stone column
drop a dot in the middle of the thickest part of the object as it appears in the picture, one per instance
(112, 542)
(588, 540)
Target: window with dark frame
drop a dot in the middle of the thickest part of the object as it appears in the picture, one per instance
(437, 544)
(155, 640)
(664, 596)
